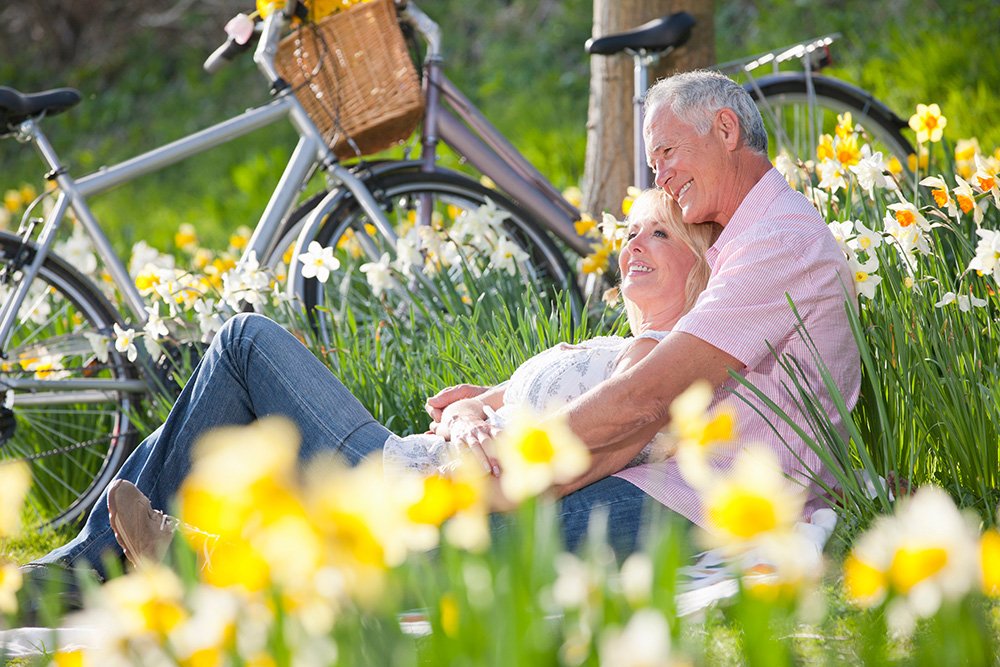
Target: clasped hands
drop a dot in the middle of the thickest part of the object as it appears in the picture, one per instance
(458, 416)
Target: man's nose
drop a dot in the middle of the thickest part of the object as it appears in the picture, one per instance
(659, 173)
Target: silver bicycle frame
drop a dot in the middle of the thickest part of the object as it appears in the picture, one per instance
(311, 151)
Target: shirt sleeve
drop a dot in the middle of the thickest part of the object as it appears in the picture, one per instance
(745, 305)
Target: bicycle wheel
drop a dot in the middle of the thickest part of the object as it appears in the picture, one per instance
(796, 119)
(478, 248)
(66, 412)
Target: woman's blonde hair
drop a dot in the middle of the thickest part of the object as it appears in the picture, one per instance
(697, 238)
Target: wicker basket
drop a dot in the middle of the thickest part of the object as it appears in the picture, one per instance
(352, 73)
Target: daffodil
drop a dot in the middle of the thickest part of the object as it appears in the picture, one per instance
(238, 239)
(318, 262)
(643, 642)
(832, 175)
(987, 259)
(843, 232)
(186, 237)
(986, 179)
(379, 274)
(825, 150)
(926, 553)
(848, 153)
(15, 480)
(942, 197)
(10, 584)
(966, 302)
(870, 172)
(12, 200)
(921, 162)
(507, 255)
(865, 280)
(585, 226)
(573, 195)
(125, 342)
(147, 602)
(989, 562)
(536, 453)
(695, 425)
(630, 195)
(597, 261)
(751, 501)
(966, 200)
(966, 151)
(906, 214)
(866, 239)
(928, 123)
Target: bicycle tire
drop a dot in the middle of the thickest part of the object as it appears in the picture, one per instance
(786, 96)
(74, 441)
(545, 266)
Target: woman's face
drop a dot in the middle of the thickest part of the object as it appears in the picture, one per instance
(654, 265)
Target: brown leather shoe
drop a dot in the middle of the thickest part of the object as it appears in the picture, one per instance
(143, 533)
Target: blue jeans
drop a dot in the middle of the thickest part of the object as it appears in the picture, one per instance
(255, 368)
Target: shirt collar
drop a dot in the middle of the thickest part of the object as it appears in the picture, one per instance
(758, 200)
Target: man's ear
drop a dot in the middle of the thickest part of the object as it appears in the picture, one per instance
(727, 126)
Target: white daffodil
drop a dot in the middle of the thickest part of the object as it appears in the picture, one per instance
(870, 172)
(987, 180)
(966, 302)
(379, 274)
(925, 554)
(942, 197)
(144, 254)
(789, 168)
(987, 259)
(125, 342)
(99, 345)
(906, 215)
(209, 318)
(10, 584)
(643, 642)
(865, 280)
(831, 175)
(866, 240)
(966, 200)
(842, 232)
(318, 262)
(79, 251)
(155, 327)
(408, 252)
(507, 255)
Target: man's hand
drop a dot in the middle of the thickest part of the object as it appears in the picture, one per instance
(436, 404)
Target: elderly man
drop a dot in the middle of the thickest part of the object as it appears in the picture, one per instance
(706, 143)
(708, 148)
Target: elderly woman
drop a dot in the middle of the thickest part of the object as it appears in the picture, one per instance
(255, 368)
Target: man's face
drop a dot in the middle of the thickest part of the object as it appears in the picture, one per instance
(693, 168)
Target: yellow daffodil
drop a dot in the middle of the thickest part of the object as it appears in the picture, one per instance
(894, 166)
(914, 163)
(186, 237)
(12, 200)
(752, 501)
(866, 585)
(536, 453)
(848, 152)
(10, 584)
(147, 601)
(845, 125)
(238, 239)
(597, 261)
(573, 195)
(824, 150)
(989, 562)
(966, 151)
(15, 480)
(585, 226)
(631, 193)
(694, 425)
(928, 123)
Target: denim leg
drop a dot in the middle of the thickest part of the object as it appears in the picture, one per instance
(252, 369)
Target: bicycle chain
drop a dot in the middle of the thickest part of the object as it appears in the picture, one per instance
(70, 448)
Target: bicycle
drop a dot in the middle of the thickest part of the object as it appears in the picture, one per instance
(362, 212)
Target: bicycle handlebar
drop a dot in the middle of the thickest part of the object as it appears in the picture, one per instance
(222, 55)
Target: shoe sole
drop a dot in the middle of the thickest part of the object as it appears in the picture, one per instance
(120, 535)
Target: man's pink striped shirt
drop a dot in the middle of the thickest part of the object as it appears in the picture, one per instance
(774, 247)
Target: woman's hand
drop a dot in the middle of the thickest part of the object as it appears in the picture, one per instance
(437, 403)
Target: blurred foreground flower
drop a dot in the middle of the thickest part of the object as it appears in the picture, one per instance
(15, 479)
(922, 556)
(536, 453)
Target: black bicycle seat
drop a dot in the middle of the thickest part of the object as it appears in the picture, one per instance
(16, 106)
(655, 36)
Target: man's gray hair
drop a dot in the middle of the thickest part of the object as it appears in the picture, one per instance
(696, 96)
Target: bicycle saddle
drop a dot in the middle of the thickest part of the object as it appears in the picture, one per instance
(655, 36)
(16, 106)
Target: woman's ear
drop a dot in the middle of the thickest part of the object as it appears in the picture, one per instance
(727, 127)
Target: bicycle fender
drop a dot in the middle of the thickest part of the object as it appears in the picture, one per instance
(835, 88)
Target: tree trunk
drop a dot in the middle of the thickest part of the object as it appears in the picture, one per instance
(608, 169)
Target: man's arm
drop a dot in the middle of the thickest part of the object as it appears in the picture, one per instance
(617, 417)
